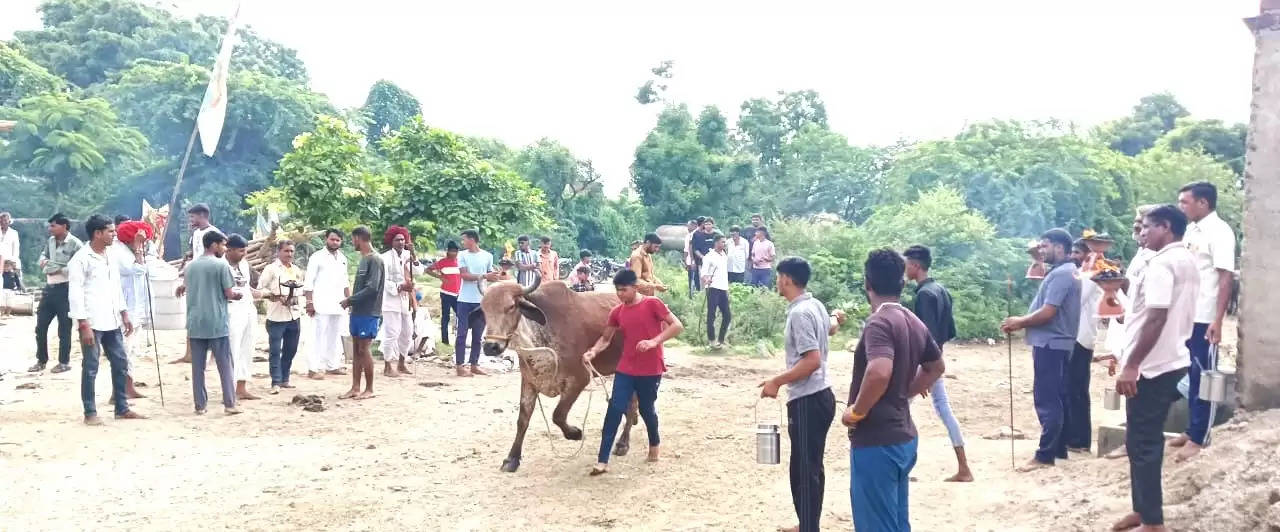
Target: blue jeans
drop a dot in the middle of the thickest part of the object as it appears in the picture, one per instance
(943, 407)
(470, 318)
(646, 391)
(1198, 421)
(112, 342)
(221, 348)
(1050, 395)
(760, 276)
(282, 342)
(878, 486)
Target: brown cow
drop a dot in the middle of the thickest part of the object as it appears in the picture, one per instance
(561, 325)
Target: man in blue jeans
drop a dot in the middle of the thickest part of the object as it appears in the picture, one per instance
(476, 266)
(1052, 325)
(97, 304)
(645, 323)
(896, 359)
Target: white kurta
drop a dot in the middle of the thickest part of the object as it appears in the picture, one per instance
(327, 279)
(243, 318)
(397, 323)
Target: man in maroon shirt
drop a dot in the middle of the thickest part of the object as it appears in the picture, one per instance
(896, 359)
(645, 323)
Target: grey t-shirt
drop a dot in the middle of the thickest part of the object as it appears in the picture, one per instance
(366, 295)
(1061, 289)
(207, 280)
(806, 330)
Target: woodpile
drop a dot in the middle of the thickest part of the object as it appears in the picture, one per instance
(262, 251)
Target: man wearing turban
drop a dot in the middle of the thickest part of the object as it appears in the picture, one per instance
(129, 254)
(397, 312)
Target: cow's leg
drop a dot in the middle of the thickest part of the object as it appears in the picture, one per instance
(573, 387)
(528, 395)
(624, 443)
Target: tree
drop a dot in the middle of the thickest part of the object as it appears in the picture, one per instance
(827, 174)
(20, 78)
(677, 177)
(765, 126)
(388, 107)
(492, 150)
(655, 89)
(1152, 117)
(325, 181)
(550, 166)
(85, 41)
(442, 187)
(1159, 173)
(76, 147)
(1224, 143)
(713, 130)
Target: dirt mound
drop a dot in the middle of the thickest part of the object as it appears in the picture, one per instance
(1234, 484)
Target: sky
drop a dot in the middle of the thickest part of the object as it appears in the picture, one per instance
(568, 70)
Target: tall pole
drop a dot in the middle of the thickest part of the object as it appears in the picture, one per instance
(1258, 367)
(182, 171)
(1008, 340)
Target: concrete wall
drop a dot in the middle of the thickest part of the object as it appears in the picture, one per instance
(1259, 364)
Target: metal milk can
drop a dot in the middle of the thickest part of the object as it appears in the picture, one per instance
(1110, 399)
(768, 438)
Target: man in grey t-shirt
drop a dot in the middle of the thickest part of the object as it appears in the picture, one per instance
(1051, 325)
(208, 289)
(811, 406)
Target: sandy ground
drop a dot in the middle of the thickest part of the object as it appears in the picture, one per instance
(424, 457)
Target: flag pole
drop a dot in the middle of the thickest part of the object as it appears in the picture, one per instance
(1008, 337)
(182, 171)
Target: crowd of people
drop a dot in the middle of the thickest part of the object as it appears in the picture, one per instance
(1175, 299)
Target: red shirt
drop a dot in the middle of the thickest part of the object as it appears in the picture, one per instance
(641, 321)
(450, 282)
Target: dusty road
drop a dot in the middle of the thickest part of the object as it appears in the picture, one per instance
(424, 457)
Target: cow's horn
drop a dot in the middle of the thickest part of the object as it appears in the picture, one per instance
(537, 281)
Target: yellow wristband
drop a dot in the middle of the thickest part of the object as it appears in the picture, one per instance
(855, 416)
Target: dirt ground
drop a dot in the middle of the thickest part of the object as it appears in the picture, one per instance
(427, 457)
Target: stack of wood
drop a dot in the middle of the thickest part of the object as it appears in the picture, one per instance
(262, 251)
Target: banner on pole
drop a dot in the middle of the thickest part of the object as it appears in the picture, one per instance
(213, 110)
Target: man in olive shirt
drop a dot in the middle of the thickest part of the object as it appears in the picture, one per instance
(365, 304)
(54, 302)
(896, 359)
(209, 287)
(641, 262)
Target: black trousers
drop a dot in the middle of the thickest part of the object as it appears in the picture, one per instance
(54, 304)
(808, 420)
(448, 304)
(1145, 415)
(1077, 428)
(717, 299)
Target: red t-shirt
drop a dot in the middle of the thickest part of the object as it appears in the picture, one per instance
(451, 280)
(641, 321)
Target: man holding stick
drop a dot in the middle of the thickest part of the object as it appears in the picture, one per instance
(1156, 358)
(397, 290)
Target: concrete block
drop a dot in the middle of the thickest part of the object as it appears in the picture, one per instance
(1110, 437)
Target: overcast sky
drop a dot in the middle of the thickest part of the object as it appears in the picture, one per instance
(920, 69)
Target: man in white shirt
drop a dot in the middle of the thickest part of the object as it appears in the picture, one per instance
(397, 318)
(737, 248)
(326, 285)
(242, 315)
(128, 252)
(1213, 244)
(715, 277)
(1077, 427)
(689, 264)
(10, 244)
(97, 305)
(1156, 358)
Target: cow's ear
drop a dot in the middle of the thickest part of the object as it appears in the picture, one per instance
(531, 311)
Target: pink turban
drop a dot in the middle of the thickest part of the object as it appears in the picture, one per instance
(391, 233)
(127, 231)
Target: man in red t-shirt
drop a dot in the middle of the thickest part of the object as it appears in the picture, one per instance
(645, 323)
(450, 276)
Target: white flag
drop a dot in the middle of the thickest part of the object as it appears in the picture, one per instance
(213, 111)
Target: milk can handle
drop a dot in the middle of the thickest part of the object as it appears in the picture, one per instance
(757, 409)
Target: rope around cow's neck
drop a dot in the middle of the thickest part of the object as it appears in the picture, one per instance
(597, 378)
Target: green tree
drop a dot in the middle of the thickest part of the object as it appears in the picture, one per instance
(713, 130)
(676, 177)
(1152, 117)
(76, 148)
(1160, 172)
(1226, 144)
(551, 167)
(325, 180)
(827, 174)
(765, 126)
(20, 78)
(655, 89)
(442, 187)
(388, 107)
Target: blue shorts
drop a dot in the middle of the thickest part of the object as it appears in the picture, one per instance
(365, 327)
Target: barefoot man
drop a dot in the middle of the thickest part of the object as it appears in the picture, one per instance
(242, 315)
(1162, 315)
(810, 403)
(1051, 331)
(97, 304)
(129, 254)
(645, 323)
(397, 290)
(365, 304)
(198, 218)
(326, 285)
